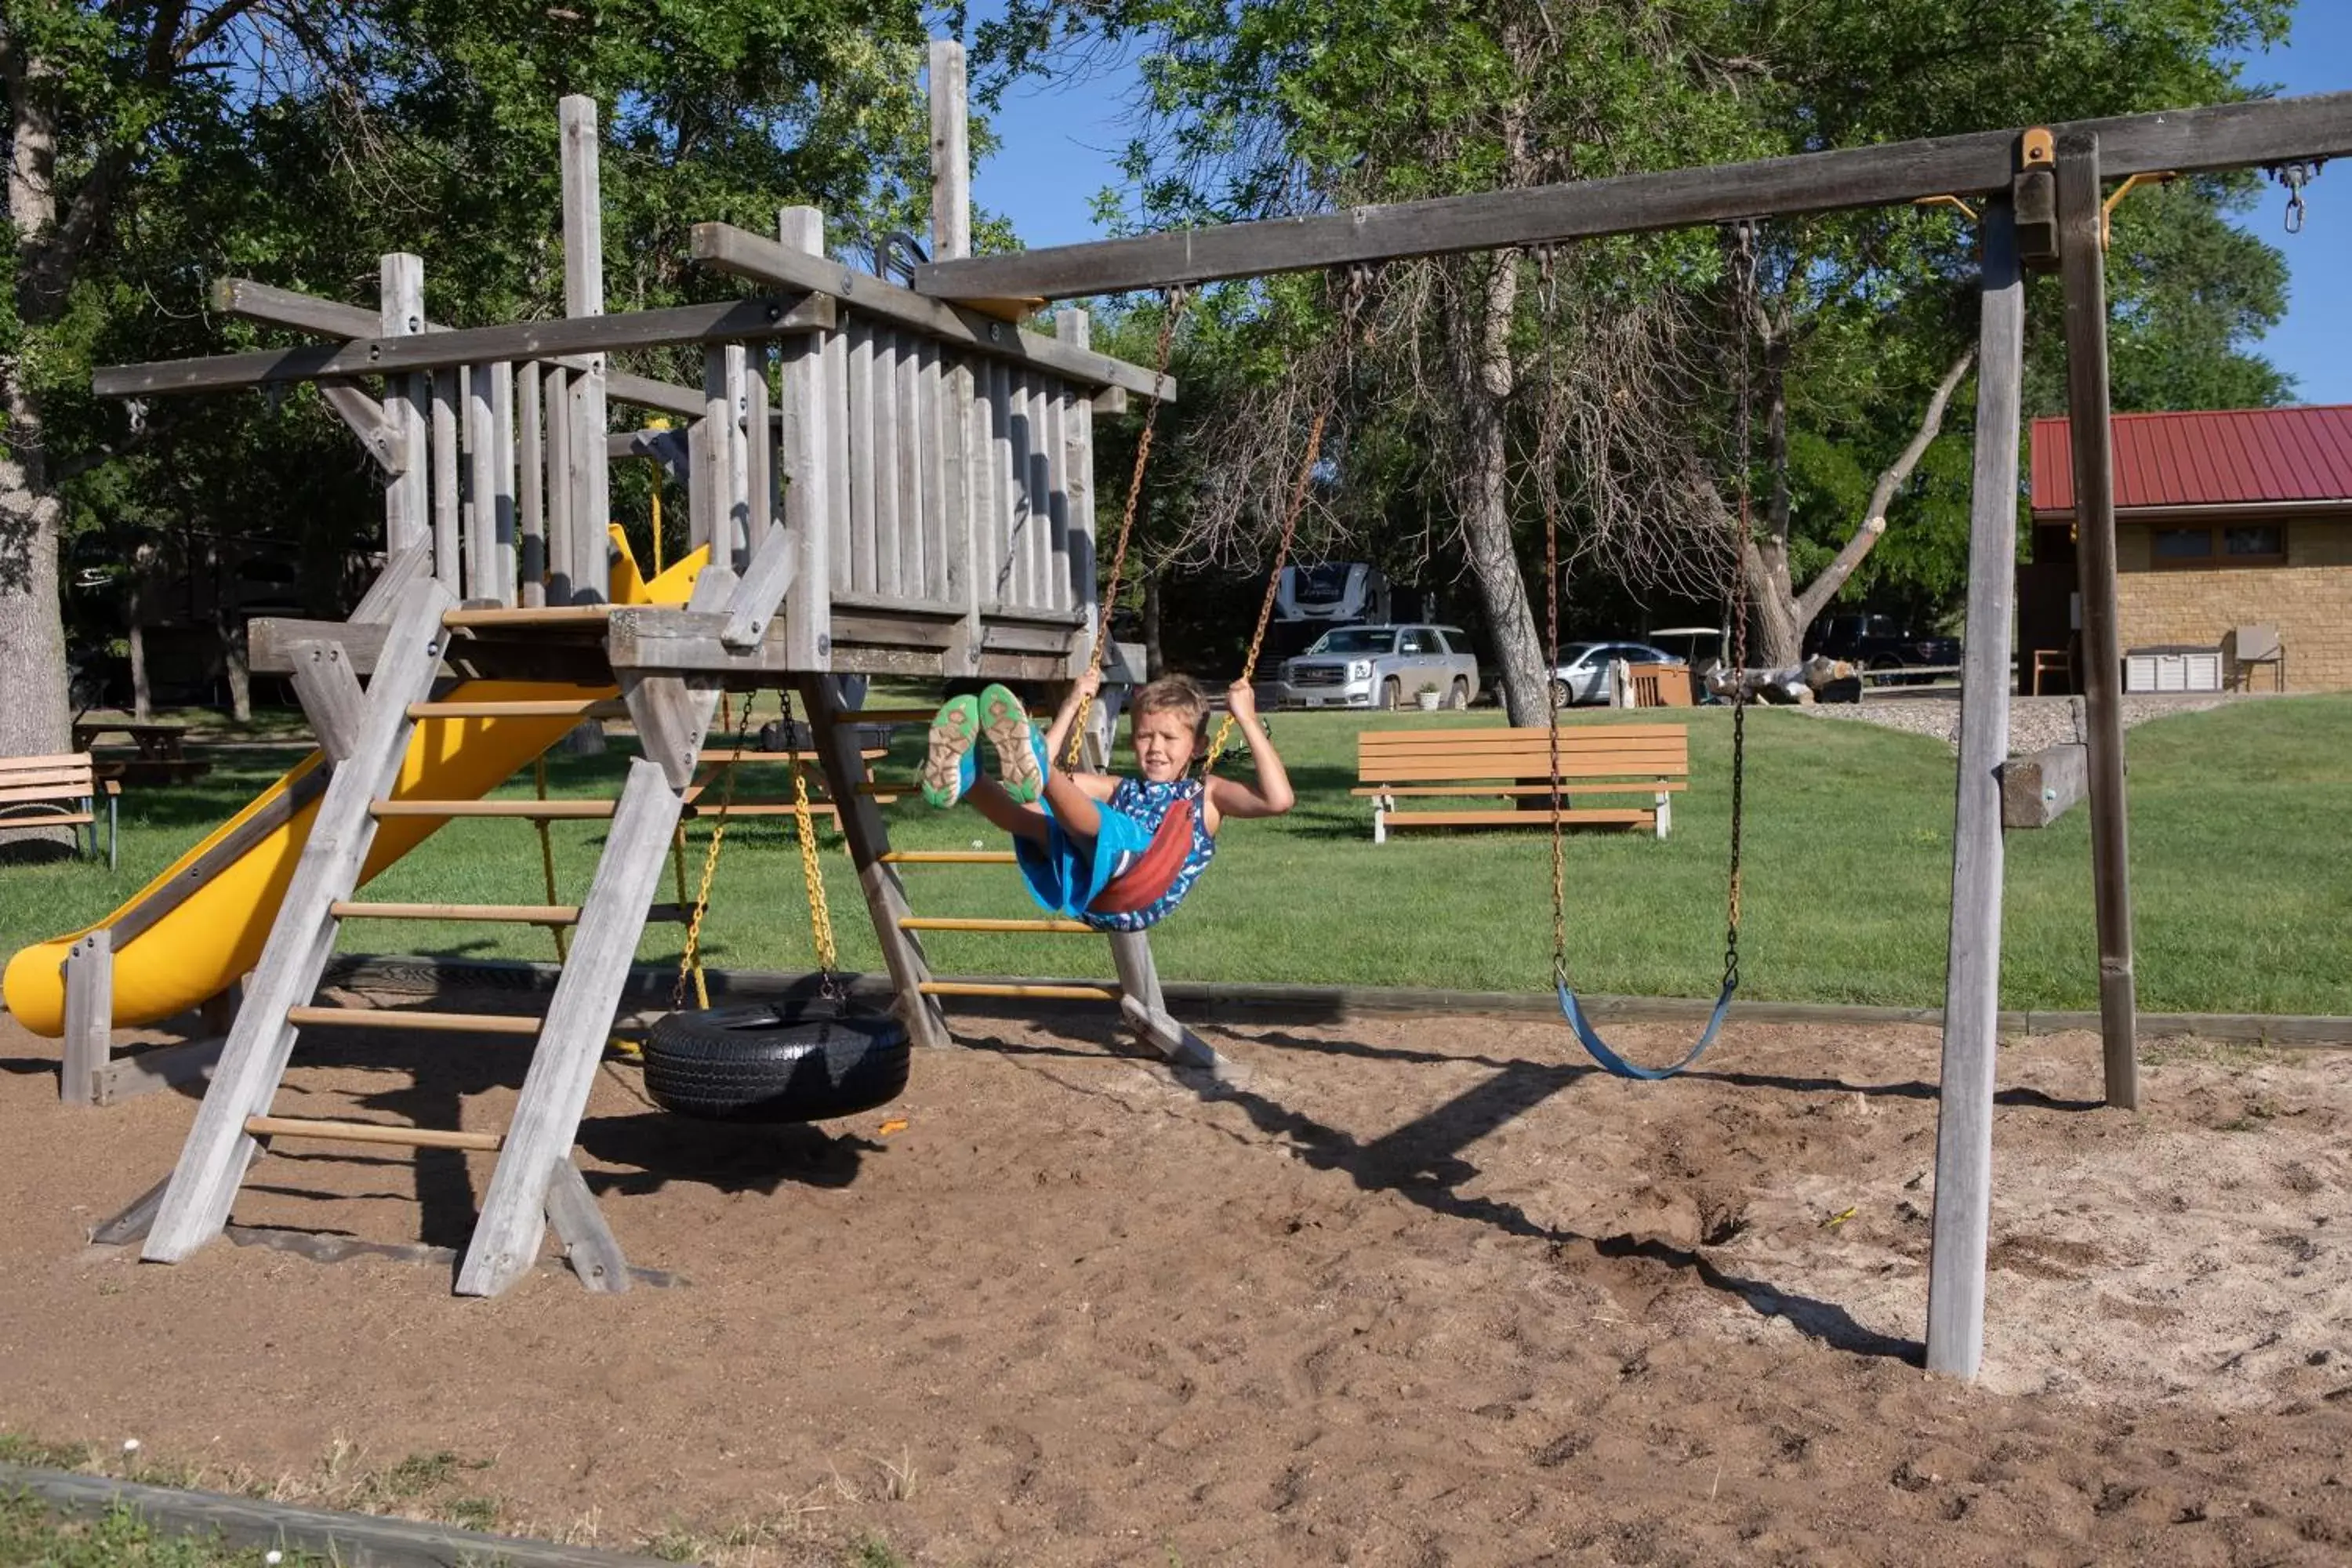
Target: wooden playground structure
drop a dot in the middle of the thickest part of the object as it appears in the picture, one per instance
(919, 502)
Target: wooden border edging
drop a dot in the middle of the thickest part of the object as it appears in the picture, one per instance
(649, 990)
(355, 1538)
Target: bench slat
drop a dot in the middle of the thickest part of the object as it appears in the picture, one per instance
(1535, 772)
(1570, 734)
(1396, 820)
(24, 778)
(62, 760)
(47, 819)
(47, 793)
(1577, 786)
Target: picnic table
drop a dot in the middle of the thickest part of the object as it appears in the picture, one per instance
(163, 756)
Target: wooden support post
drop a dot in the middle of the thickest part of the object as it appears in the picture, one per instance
(213, 1161)
(2083, 266)
(90, 1016)
(411, 563)
(407, 501)
(809, 473)
(530, 562)
(588, 1243)
(736, 447)
(1146, 1009)
(760, 458)
(950, 154)
(366, 419)
(1972, 985)
(579, 1020)
(672, 713)
(330, 697)
(583, 295)
(869, 841)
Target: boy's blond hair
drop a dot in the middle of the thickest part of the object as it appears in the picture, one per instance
(1172, 694)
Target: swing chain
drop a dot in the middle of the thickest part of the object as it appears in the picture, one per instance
(1744, 272)
(1548, 446)
(2295, 177)
(1178, 298)
(828, 957)
(690, 962)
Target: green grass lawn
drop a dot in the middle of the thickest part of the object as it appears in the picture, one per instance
(2238, 866)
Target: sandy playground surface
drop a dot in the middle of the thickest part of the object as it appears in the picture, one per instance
(1428, 1292)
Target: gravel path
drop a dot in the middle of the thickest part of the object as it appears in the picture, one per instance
(2034, 722)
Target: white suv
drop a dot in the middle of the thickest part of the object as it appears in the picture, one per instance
(1380, 667)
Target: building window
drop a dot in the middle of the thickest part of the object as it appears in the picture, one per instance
(2231, 544)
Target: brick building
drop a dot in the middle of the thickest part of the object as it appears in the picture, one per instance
(2224, 520)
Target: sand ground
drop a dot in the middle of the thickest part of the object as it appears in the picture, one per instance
(1426, 1291)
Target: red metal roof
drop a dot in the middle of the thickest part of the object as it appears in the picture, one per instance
(2233, 457)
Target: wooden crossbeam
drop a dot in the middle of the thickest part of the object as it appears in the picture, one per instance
(748, 255)
(416, 1021)
(2192, 141)
(727, 322)
(370, 1133)
(333, 318)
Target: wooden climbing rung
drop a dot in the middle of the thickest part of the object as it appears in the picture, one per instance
(949, 858)
(976, 923)
(555, 615)
(754, 754)
(401, 1018)
(886, 716)
(1035, 992)
(371, 1132)
(518, 914)
(548, 810)
(523, 708)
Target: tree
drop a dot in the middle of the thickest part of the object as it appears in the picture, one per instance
(1253, 110)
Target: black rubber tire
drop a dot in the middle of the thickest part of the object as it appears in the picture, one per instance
(1562, 694)
(757, 1062)
(1457, 698)
(1391, 696)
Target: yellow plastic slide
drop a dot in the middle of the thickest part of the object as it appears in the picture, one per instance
(197, 949)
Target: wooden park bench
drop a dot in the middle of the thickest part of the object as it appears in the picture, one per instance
(57, 792)
(1651, 759)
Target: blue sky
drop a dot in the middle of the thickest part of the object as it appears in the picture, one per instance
(1061, 144)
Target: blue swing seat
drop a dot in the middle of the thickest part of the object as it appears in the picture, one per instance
(1616, 1065)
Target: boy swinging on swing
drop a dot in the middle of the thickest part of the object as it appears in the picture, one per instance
(1076, 835)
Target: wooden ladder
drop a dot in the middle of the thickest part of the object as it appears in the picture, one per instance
(366, 736)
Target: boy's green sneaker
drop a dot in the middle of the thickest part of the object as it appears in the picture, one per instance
(950, 763)
(1020, 755)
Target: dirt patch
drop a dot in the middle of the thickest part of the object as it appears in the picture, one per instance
(1426, 1291)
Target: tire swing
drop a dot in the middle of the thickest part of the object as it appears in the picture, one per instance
(800, 1059)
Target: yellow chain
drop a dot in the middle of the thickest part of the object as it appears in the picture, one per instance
(1273, 582)
(690, 962)
(828, 958)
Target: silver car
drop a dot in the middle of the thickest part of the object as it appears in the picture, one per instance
(1380, 667)
(1582, 673)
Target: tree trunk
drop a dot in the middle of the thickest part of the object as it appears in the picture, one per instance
(142, 706)
(1155, 657)
(35, 719)
(1779, 613)
(239, 673)
(1478, 359)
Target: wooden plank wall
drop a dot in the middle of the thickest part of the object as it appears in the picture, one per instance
(968, 482)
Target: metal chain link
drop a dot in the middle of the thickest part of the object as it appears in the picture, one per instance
(828, 957)
(690, 962)
(1178, 298)
(1546, 456)
(1744, 264)
(1273, 578)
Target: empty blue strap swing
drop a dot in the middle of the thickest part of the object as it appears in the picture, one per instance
(1580, 1023)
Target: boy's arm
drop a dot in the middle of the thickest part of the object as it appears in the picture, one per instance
(1272, 795)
